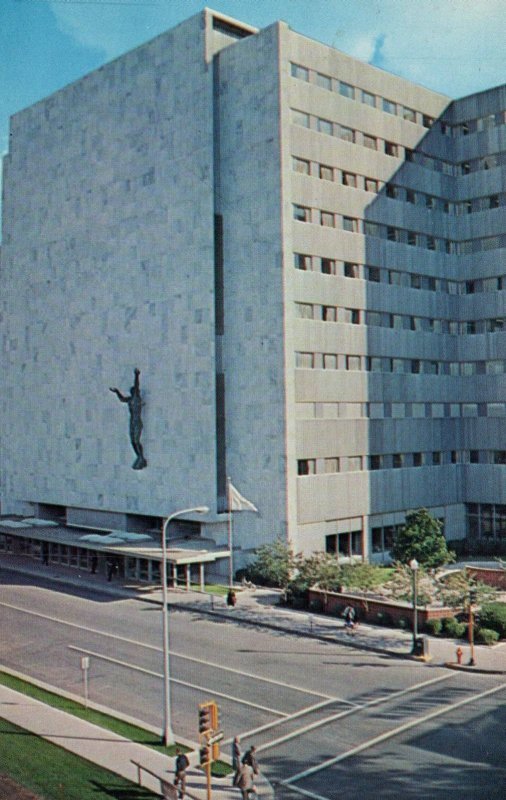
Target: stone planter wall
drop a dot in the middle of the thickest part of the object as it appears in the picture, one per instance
(490, 576)
(370, 610)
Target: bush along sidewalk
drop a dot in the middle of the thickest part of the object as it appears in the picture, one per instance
(451, 628)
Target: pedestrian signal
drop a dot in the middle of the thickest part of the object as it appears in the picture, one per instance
(205, 755)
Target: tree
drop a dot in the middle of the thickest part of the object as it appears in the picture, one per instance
(273, 565)
(321, 570)
(456, 588)
(422, 538)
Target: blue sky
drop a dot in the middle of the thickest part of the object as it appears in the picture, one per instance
(452, 46)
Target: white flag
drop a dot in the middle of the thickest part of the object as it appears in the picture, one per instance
(236, 502)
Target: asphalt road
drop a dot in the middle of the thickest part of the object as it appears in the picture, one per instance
(328, 721)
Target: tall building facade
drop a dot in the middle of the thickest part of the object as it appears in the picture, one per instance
(303, 255)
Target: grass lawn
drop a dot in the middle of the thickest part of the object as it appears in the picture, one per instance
(125, 729)
(211, 588)
(55, 774)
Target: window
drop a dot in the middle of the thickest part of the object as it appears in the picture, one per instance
(375, 462)
(371, 228)
(306, 466)
(348, 134)
(389, 106)
(371, 185)
(500, 457)
(493, 201)
(391, 190)
(301, 165)
(430, 202)
(326, 173)
(301, 213)
(331, 465)
(427, 121)
(392, 234)
(325, 126)
(370, 141)
(302, 261)
(300, 118)
(391, 149)
(408, 114)
(415, 366)
(397, 460)
(328, 266)
(304, 310)
(410, 196)
(408, 154)
(331, 544)
(350, 224)
(302, 73)
(352, 363)
(327, 219)
(374, 274)
(329, 314)
(350, 270)
(369, 99)
(323, 80)
(304, 360)
(436, 458)
(354, 463)
(329, 361)
(431, 243)
(417, 459)
(346, 90)
(474, 456)
(412, 239)
(349, 179)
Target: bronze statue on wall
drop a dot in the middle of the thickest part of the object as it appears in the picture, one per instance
(135, 404)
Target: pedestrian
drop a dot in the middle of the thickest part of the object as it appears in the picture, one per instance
(231, 598)
(236, 757)
(182, 765)
(94, 563)
(249, 758)
(110, 569)
(244, 782)
(349, 618)
(45, 554)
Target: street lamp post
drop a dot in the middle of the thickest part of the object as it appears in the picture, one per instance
(167, 735)
(472, 599)
(414, 565)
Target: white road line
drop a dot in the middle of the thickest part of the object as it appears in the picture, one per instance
(306, 793)
(136, 668)
(174, 653)
(301, 713)
(392, 733)
(319, 723)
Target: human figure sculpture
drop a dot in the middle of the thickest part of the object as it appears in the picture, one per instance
(135, 404)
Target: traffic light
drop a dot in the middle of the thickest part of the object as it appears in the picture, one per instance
(205, 755)
(215, 720)
(205, 718)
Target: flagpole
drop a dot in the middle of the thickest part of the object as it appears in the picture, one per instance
(230, 540)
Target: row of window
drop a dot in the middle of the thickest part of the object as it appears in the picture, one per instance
(486, 521)
(352, 92)
(337, 175)
(370, 410)
(332, 128)
(331, 219)
(474, 125)
(377, 461)
(355, 93)
(411, 280)
(410, 366)
(385, 319)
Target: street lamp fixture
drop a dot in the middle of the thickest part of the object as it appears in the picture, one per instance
(414, 567)
(167, 735)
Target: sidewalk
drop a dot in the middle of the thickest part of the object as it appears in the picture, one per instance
(105, 748)
(258, 608)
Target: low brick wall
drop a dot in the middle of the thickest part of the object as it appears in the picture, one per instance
(490, 576)
(369, 610)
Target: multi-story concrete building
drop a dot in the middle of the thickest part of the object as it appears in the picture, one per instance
(304, 256)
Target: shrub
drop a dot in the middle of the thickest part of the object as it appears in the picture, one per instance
(487, 636)
(383, 618)
(453, 628)
(433, 626)
(493, 616)
(404, 623)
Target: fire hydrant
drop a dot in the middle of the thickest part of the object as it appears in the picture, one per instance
(459, 654)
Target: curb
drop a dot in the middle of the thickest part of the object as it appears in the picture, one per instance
(469, 668)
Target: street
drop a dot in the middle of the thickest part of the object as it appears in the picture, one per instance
(328, 721)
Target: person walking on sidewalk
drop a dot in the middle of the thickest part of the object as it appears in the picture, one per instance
(236, 757)
(249, 759)
(244, 782)
(182, 765)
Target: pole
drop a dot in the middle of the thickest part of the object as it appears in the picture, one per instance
(208, 781)
(167, 734)
(230, 538)
(414, 565)
(472, 662)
